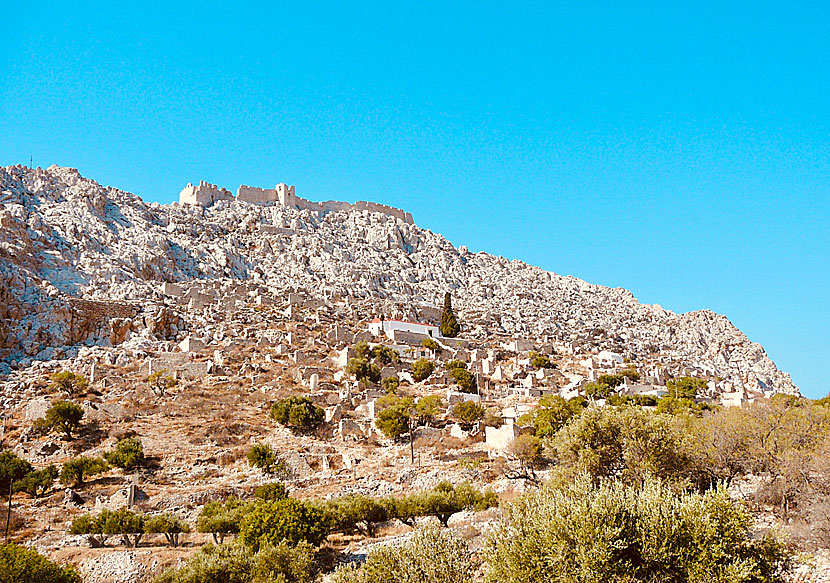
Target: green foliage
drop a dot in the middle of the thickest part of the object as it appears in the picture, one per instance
(128, 454)
(464, 379)
(63, 416)
(363, 370)
(271, 492)
(430, 344)
(21, 565)
(626, 443)
(75, 471)
(222, 518)
(685, 387)
(422, 368)
(391, 384)
(283, 563)
(630, 373)
(428, 408)
(432, 555)
(639, 400)
(363, 350)
(298, 413)
(122, 522)
(584, 533)
(269, 523)
(355, 512)
(385, 355)
(677, 406)
(598, 390)
(553, 413)
(445, 500)
(69, 382)
(395, 419)
(169, 525)
(527, 449)
(611, 380)
(468, 412)
(449, 327)
(454, 364)
(12, 469)
(38, 482)
(263, 456)
(540, 361)
(161, 383)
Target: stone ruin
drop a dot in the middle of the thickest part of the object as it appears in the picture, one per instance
(206, 194)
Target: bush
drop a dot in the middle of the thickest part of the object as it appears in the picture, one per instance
(427, 408)
(263, 456)
(269, 523)
(169, 525)
(363, 370)
(626, 443)
(12, 469)
(69, 382)
(271, 492)
(468, 412)
(464, 379)
(582, 533)
(685, 387)
(540, 361)
(553, 413)
(222, 518)
(161, 383)
(430, 344)
(63, 416)
(298, 413)
(391, 384)
(127, 455)
(385, 355)
(74, 472)
(630, 373)
(422, 369)
(283, 563)
(527, 450)
(454, 364)
(38, 482)
(20, 565)
(395, 419)
(432, 555)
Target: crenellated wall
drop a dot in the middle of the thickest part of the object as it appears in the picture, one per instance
(205, 194)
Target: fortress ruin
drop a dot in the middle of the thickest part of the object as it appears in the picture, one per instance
(206, 194)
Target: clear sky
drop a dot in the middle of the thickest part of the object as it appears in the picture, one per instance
(677, 149)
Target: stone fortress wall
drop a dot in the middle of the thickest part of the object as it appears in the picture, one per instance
(206, 194)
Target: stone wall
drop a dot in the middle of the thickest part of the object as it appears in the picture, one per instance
(205, 194)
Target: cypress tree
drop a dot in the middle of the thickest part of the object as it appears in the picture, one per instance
(449, 325)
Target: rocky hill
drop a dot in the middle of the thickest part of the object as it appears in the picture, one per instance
(83, 264)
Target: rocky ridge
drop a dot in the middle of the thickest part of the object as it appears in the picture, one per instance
(82, 264)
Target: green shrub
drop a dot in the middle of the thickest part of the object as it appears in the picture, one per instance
(626, 443)
(75, 471)
(268, 523)
(385, 355)
(161, 383)
(271, 492)
(127, 455)
(630, 373)
(283, 563)
(363, 370)
(468, 412)
(38, 482)
(428, 408)
(432, 555)
(582, 533)
(169, 525)
(12, 469)
(222, 518)
(454, 364)
(355, 512)
(553, 413)
(464, 379)
(20, 565)
(298, 413)
(422, 368)
(430, 344)
(685, 387)
(540, 361)
(395, 419)
(63, 416)
(122, 522)
(263, 456)
(69, 382)
(391, 384)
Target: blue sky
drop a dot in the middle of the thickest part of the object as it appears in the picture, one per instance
(678, 151)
